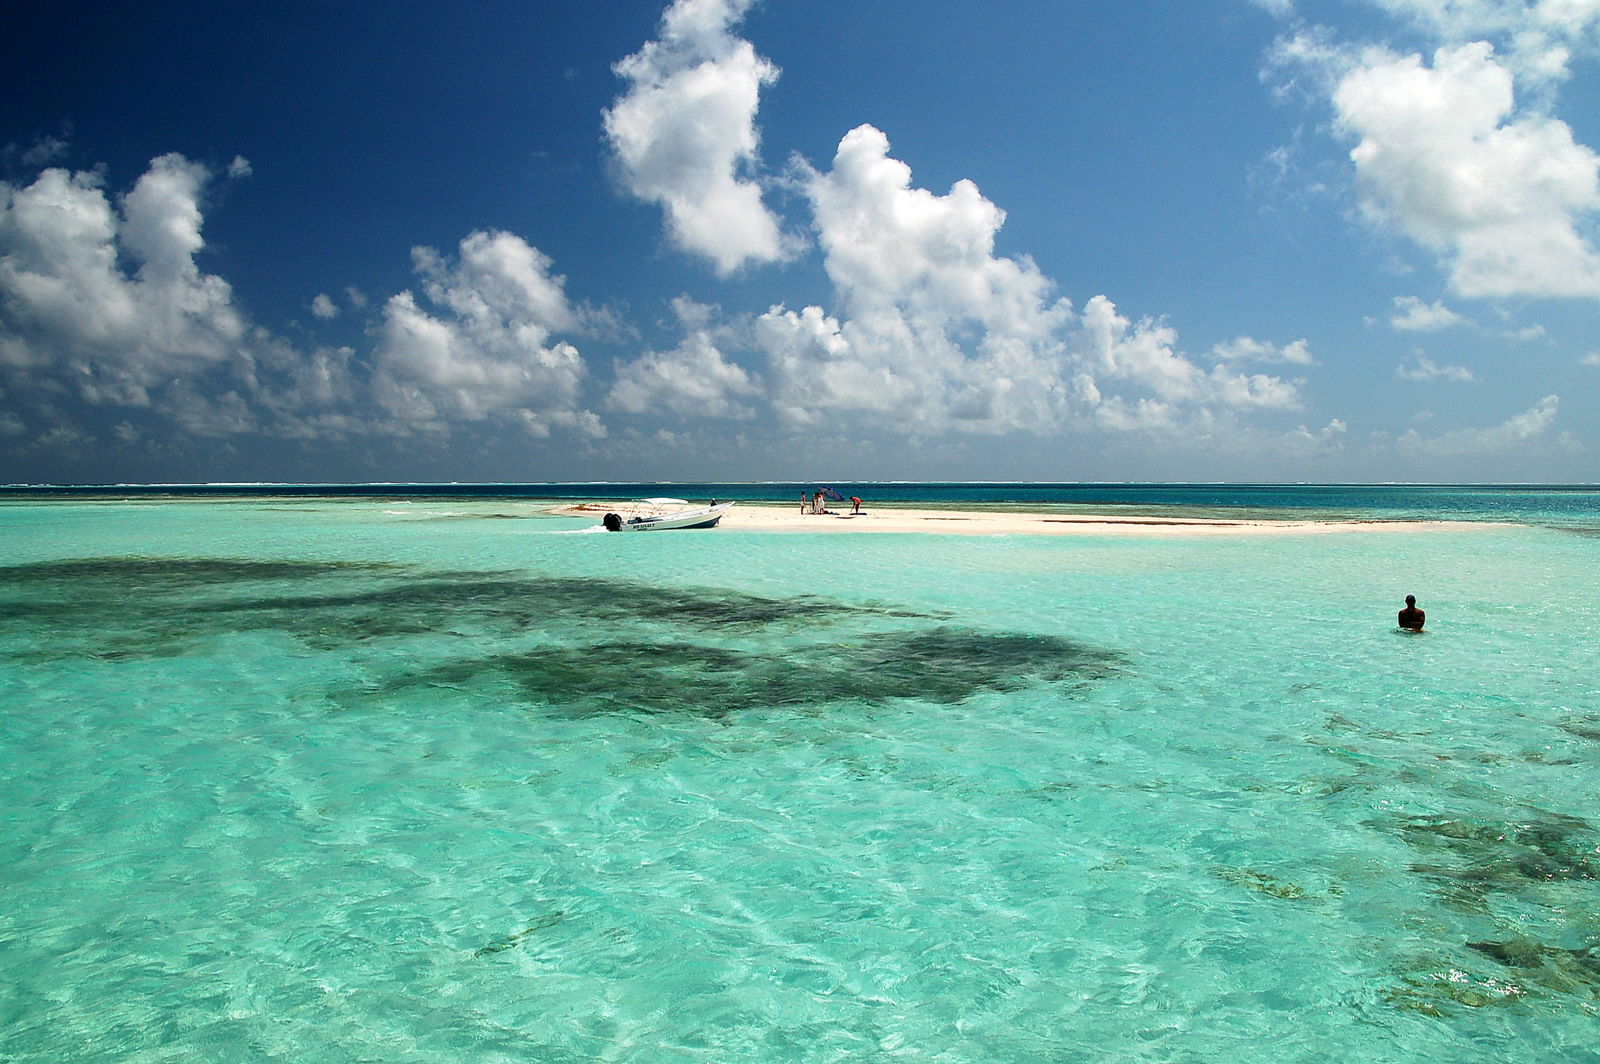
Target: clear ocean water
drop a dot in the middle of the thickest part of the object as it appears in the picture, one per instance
(390, 776)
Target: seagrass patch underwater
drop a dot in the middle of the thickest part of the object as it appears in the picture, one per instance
(106, 608)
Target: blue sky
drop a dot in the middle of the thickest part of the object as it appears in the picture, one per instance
(717, 239)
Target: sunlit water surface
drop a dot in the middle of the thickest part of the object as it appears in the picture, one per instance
(397, 781)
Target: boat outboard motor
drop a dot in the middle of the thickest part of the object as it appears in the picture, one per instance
(613, 522)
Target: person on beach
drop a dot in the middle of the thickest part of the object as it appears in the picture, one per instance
(1411, 618)
(855, 504)
(805, 501)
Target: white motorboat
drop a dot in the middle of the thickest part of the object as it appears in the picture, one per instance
(652, 515)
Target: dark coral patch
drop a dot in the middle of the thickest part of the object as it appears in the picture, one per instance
(944, 664)
(600, 645)
(116, 608)
(1552, 967)
(1470, 858)
(1583, 728)
(168, 574)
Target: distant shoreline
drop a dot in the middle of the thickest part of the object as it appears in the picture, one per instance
(788, 518)
(1076, 505)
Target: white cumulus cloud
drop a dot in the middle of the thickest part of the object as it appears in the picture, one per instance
(1531, 424)
(1413, 315)
(1540, 36)
(486, 346)
(106, 305)
(1505, 199)
(684, 134)
(937, 331)
(1423, 368)
(109, 300)
(1247, 349)
(103, 303)
(694, 379)
(1527, 334)
(1145, 355)
(937, 328)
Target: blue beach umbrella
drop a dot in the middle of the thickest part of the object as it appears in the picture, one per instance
(831, 494)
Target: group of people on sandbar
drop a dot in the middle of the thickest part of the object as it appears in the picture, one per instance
(818, 504)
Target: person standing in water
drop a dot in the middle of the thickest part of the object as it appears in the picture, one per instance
(1412, 618)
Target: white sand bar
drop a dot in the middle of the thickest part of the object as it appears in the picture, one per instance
(787, 518)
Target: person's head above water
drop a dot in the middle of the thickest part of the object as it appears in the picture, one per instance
(1411, 600)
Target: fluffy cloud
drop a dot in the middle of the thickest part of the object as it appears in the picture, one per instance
(104, 304)
(1424, 368)
(932, 331)
(1463, 152)
(1447, 155)
(684, 134)
(816, 369)
(1245, 349)
(1540, 37)
(888, 244)
(1280, 8)
(938, 327)
(486, 348)
(1439, 156)
(73, 312)
(938, 332)
(1413, 315)
(1145, 355)
(279, 390)
(1531, 424)
(693, 379)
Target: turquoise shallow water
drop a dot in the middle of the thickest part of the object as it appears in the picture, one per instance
(364, 779)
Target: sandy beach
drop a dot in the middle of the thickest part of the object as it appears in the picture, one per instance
(771, 517)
